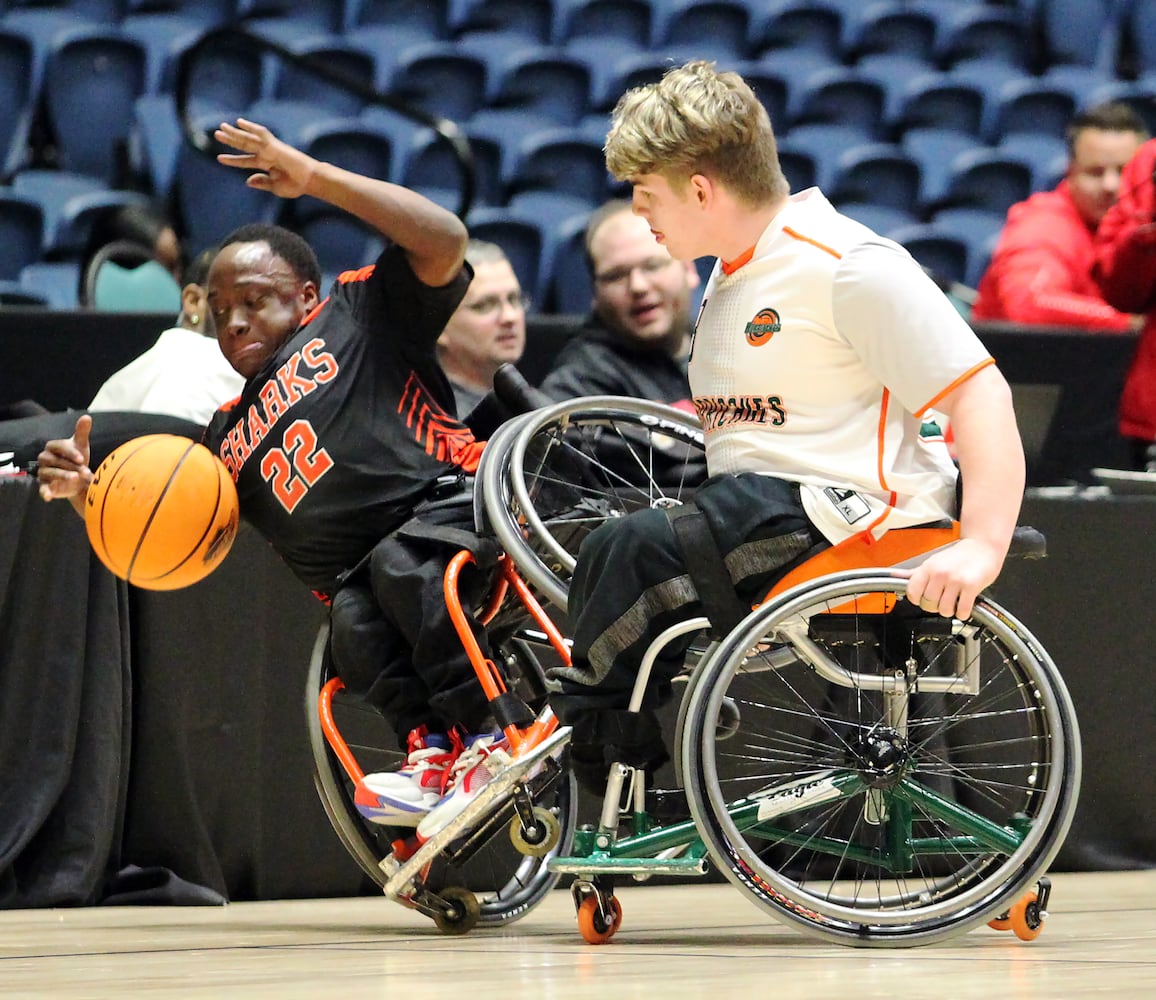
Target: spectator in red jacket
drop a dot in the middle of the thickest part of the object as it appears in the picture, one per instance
(1041, 269)
(1126, 271)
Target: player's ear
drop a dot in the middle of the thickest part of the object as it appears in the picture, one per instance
(310, 296)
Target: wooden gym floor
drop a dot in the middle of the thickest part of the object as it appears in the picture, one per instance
(676, 941)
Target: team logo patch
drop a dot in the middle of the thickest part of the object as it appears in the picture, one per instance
(763, 327)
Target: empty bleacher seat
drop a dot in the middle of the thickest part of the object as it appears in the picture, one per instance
(21, 233)
(877, 173)
(91, 82)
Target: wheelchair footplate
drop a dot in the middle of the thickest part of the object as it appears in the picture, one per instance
(404, 882)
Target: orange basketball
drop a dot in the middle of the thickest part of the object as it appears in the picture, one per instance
(161, 512)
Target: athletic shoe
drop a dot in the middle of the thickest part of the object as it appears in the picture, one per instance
(404, 797)
(481, 759)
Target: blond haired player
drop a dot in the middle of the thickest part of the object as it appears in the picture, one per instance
(819, 348)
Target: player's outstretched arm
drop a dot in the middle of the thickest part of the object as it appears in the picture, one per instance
(433, 237)
(62, 466)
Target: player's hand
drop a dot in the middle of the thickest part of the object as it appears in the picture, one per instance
(283, 170)
(949, 582)
(62, 467)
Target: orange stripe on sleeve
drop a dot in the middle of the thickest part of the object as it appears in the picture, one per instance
(795, 234)
(954, 385)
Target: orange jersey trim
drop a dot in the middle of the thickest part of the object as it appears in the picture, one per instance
(729, 268)
(954, 385)
(796, 235)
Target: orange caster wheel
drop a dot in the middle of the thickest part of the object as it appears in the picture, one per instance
(594, 925)
(1026, 917)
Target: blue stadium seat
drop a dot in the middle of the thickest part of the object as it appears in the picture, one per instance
(557, 216)
(934, 149)
(206, 220)
(533, 19)
(794, 67)
(13, 293)
(292, 82)
(981, 31)
(226, 77)
(621, 21)
(842, 96)
(154, 139)
(441, 79)
(571, 289)
(890, 26)
(798, 167)
(521, 239)
(938, 250)
(164, 35)
(70, 203)
(1030, 105)
(21, 234)
(798, 25)
(879, 174)
(427, 18)
(772, 87)
(882, 219)
(559, 160)
(824, 144)
(939, 99)
(55, 281)
(17, 100)
(431, 167)
(979, 228)
(544, 81)
(1141, 28)
(701, 29)
(1046, 155)
(1139, 94)
(91, 83)
(1085, 32)
(287, 19)
(615, 69)
(987, 179)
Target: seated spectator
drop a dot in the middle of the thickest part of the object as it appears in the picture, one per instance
(184, 374)
(487, 330)
(138, 224)
(1126, 271)
(1041, 269)
(636, 340)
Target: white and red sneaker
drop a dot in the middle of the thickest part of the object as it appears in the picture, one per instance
(482, 757)
(404, 797)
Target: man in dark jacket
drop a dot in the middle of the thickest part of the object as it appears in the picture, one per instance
(637, 338)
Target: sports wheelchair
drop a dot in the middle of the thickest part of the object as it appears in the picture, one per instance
(863, 770)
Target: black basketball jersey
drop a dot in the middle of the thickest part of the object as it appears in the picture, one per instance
(336, 440)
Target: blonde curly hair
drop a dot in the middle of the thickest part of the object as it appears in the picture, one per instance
(697, 120)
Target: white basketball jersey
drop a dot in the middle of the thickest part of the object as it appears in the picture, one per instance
(816, 360)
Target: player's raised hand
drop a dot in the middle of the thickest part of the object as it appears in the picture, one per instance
(282, 170)
(62, 467)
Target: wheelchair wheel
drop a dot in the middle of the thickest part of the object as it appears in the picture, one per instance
(550, 477)
(507, 883)
(895, 777)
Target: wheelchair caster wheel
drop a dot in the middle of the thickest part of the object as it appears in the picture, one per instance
(462, 912)
(1026, 918)
(540, 839)
(596, 926)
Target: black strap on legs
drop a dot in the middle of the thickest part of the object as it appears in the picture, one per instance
(707, 568)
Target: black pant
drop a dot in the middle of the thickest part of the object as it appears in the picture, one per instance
(631, 583)
(391, 637)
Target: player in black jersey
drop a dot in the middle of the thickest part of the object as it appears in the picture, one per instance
(346, 452)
